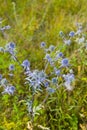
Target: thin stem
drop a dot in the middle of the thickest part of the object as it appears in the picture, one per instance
(46, 67)
(32, 113)
(17, 60)
(45, 99)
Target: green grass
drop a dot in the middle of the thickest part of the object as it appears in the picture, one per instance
(34, 21)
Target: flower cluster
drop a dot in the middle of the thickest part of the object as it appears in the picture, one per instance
(69, 78)
(7, 88)
(26, 64)
(76, 36)
(10, 48)
(38, 78)
(5, 28)
(55, 74)
(58, 63)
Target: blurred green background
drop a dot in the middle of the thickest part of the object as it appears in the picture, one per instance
(34, 21)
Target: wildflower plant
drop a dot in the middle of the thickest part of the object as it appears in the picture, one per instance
(57, 71)
(39, 80)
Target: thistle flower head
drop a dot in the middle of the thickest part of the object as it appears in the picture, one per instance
(9, 90)
(26, 64)
(10, 47)
(61, 34)
(57, 72)
(1, 49)
(69, 77)
(51, 48)
(59, 55)
(43, 44)
(46, 84)
(65, 62)
(11, 67)
(48, 58)
(7, 27)
(67, 42)
(3, 82)
(50, 90)
(72, 33)
(54, 80)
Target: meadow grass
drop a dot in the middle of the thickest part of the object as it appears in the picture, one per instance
(34, 21)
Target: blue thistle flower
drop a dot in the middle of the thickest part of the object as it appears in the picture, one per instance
(69, 77)
(26, 64)
(3, 82)
(57, 72)
(43, 44)
(50, 90)
(51, 48)
(48, 58)
(79, 31)
(1, 49)
(65, 62)
(54, 80)
(9, 90)
(59, 55)
(7, 27)
(67, 42)
(72, 33)
(61, 34)
(81, 40)
(46, 84)
(12, 45)
(11, 67)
